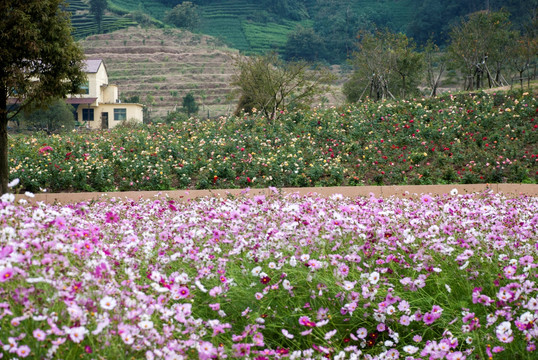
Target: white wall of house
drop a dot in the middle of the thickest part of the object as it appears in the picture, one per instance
(109, 94)
(116, 113)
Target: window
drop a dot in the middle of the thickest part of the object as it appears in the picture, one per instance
(87, 114)
(120, 114)
(85, 88)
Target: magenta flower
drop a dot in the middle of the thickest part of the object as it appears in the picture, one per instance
(428, 318)
(111, 217)
(183, 291)
(6, 274)
(241, 350)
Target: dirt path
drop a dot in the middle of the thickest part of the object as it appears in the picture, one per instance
(347, 191)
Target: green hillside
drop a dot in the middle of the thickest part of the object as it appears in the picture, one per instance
(84, 24)
(257, 26)
(249, 26)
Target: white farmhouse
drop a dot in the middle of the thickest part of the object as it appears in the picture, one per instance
(98, 105)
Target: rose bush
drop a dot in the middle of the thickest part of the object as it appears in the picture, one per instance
(477, 138)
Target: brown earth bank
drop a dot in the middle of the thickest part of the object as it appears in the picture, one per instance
(509, 190)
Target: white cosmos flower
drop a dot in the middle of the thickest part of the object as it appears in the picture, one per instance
(108, 303)
(410, 349)
(256, 271)
(127, 338)
(13, 183)
(146, 324)
(286, 284)
(374, 277)
(293, 261)
(287, 334)
(77, 334)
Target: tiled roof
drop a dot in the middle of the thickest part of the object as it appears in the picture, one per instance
(80, 100)
(91, 66)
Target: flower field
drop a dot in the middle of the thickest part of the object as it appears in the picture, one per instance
(269, 277)
(480, 138)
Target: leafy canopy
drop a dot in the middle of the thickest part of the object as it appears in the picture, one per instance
(386, 65)
(97, 8)
(58, 116)
(184, 15)
(39, 61)
(270, 85)
(479, 45)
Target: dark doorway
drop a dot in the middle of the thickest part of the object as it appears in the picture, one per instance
(104, 120)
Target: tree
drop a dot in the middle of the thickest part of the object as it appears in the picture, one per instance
(57, 116)
(523, 55)
(480, 46)
(338, 24)
(39, 61)
(385, 64)
(270, 85)
(435, 62)
(184, 15)
(97, 8)
(189, 104)
(304, 44)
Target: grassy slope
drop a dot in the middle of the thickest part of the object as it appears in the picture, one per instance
(162, 66)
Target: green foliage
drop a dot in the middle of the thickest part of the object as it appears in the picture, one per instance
(304, 44)
(479, 46)
(386, 65)
(271, 86)
(184, 15)
(41, 61)
(97, 9)
(57, 116)
(176, 116)
(189, 105)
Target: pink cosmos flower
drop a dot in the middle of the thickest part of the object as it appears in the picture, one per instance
(405, 320)
(39, 334)
(6, 274)
(456, 355)
(23, 351)
(241, 350)
(206, 351)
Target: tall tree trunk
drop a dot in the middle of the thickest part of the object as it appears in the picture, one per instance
(4, 166)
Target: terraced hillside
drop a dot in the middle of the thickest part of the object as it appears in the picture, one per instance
(161, 66)
(84, 23)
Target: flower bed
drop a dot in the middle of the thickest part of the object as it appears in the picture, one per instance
(453, 139)
(451, 277)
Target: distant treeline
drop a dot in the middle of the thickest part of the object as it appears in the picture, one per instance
(336, 23)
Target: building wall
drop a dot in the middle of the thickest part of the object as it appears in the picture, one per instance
(100, 79)
(133, 112)
(110, 94)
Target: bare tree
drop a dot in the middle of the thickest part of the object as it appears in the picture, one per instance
(271, 85)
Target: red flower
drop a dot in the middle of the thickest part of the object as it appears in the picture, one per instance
(265, 279)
